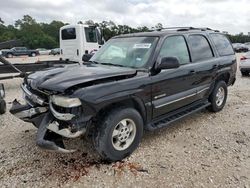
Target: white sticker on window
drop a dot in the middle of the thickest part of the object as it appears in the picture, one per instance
(142, 45)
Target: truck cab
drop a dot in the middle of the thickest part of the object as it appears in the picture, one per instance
(77, 40)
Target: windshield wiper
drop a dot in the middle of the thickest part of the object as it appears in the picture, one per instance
(112, 64)
(94, 62)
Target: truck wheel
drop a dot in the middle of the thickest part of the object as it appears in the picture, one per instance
(33, 54)
(244, 73)
(2, 106)
(9, 55)
(218, 97)
(119, 134)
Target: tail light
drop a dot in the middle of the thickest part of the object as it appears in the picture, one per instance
(243, 58)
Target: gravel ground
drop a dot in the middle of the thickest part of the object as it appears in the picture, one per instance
(203, 150)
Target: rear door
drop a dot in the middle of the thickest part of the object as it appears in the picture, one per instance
(173, 88)
(205, 63)
(23, 51)
(18, 51)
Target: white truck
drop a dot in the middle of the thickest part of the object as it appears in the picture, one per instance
(77, 40)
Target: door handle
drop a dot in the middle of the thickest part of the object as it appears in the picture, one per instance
(215, 66)
(192, 72)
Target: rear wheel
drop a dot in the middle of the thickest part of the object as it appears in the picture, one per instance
(119, 134)
(33, 54)
(244, 73)
(218, 97)
(2, 106)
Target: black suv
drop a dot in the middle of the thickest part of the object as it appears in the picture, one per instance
(135, 82)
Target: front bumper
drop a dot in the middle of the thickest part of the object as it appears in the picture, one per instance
(52, 125)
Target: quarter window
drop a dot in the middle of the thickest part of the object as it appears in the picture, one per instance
(222, 44)
(175, 46)
(200, 47)
(69, 34)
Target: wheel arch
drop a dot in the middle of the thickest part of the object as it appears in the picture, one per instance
(11, 53)
(132, 102)
(225, 76)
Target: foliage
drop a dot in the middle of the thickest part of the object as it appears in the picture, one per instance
(32, 34)
(46, 35)
(239, 38)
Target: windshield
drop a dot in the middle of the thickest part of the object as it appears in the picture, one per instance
(128, 52)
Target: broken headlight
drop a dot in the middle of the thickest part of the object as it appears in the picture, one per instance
(65, 101)
(2, 92)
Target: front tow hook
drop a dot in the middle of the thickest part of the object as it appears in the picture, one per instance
(48, 140)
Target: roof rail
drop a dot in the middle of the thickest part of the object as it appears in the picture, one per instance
(173, 28)
(187, 29)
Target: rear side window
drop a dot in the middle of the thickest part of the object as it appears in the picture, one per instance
(69, 33)
(222, 44)
(175, 46)
(90, 34)
(200, 47)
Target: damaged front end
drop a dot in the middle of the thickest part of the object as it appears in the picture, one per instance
(56, 117)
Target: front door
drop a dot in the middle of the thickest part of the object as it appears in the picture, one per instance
(173, 88)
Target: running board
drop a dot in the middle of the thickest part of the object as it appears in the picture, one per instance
(177, 115)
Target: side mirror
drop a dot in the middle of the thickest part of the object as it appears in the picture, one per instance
(168, 63)
(86, 57)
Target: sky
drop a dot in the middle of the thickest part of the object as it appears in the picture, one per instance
(224, 15)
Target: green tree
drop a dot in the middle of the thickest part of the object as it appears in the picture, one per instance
(36, 35)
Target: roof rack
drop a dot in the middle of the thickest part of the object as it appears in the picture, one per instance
(187, 29)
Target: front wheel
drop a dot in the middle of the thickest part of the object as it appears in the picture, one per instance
(119, 134)
(33, 54)
(218, 97)
(9, 55)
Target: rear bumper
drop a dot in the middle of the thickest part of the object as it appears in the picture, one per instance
(50, 133)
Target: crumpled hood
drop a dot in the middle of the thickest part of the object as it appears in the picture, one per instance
(61, 78)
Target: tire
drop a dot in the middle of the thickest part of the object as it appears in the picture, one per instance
(244, 73)
(2, 106)
(217, 100)
(33, 54)
(110, 147)
(9, 55)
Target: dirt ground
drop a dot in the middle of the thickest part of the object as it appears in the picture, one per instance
(203, 150)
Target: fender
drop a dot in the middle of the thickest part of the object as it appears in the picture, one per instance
(128, 98)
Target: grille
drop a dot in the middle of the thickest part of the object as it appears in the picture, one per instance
(34, 97)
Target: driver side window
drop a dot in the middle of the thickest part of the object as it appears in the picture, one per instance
(175, 46)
